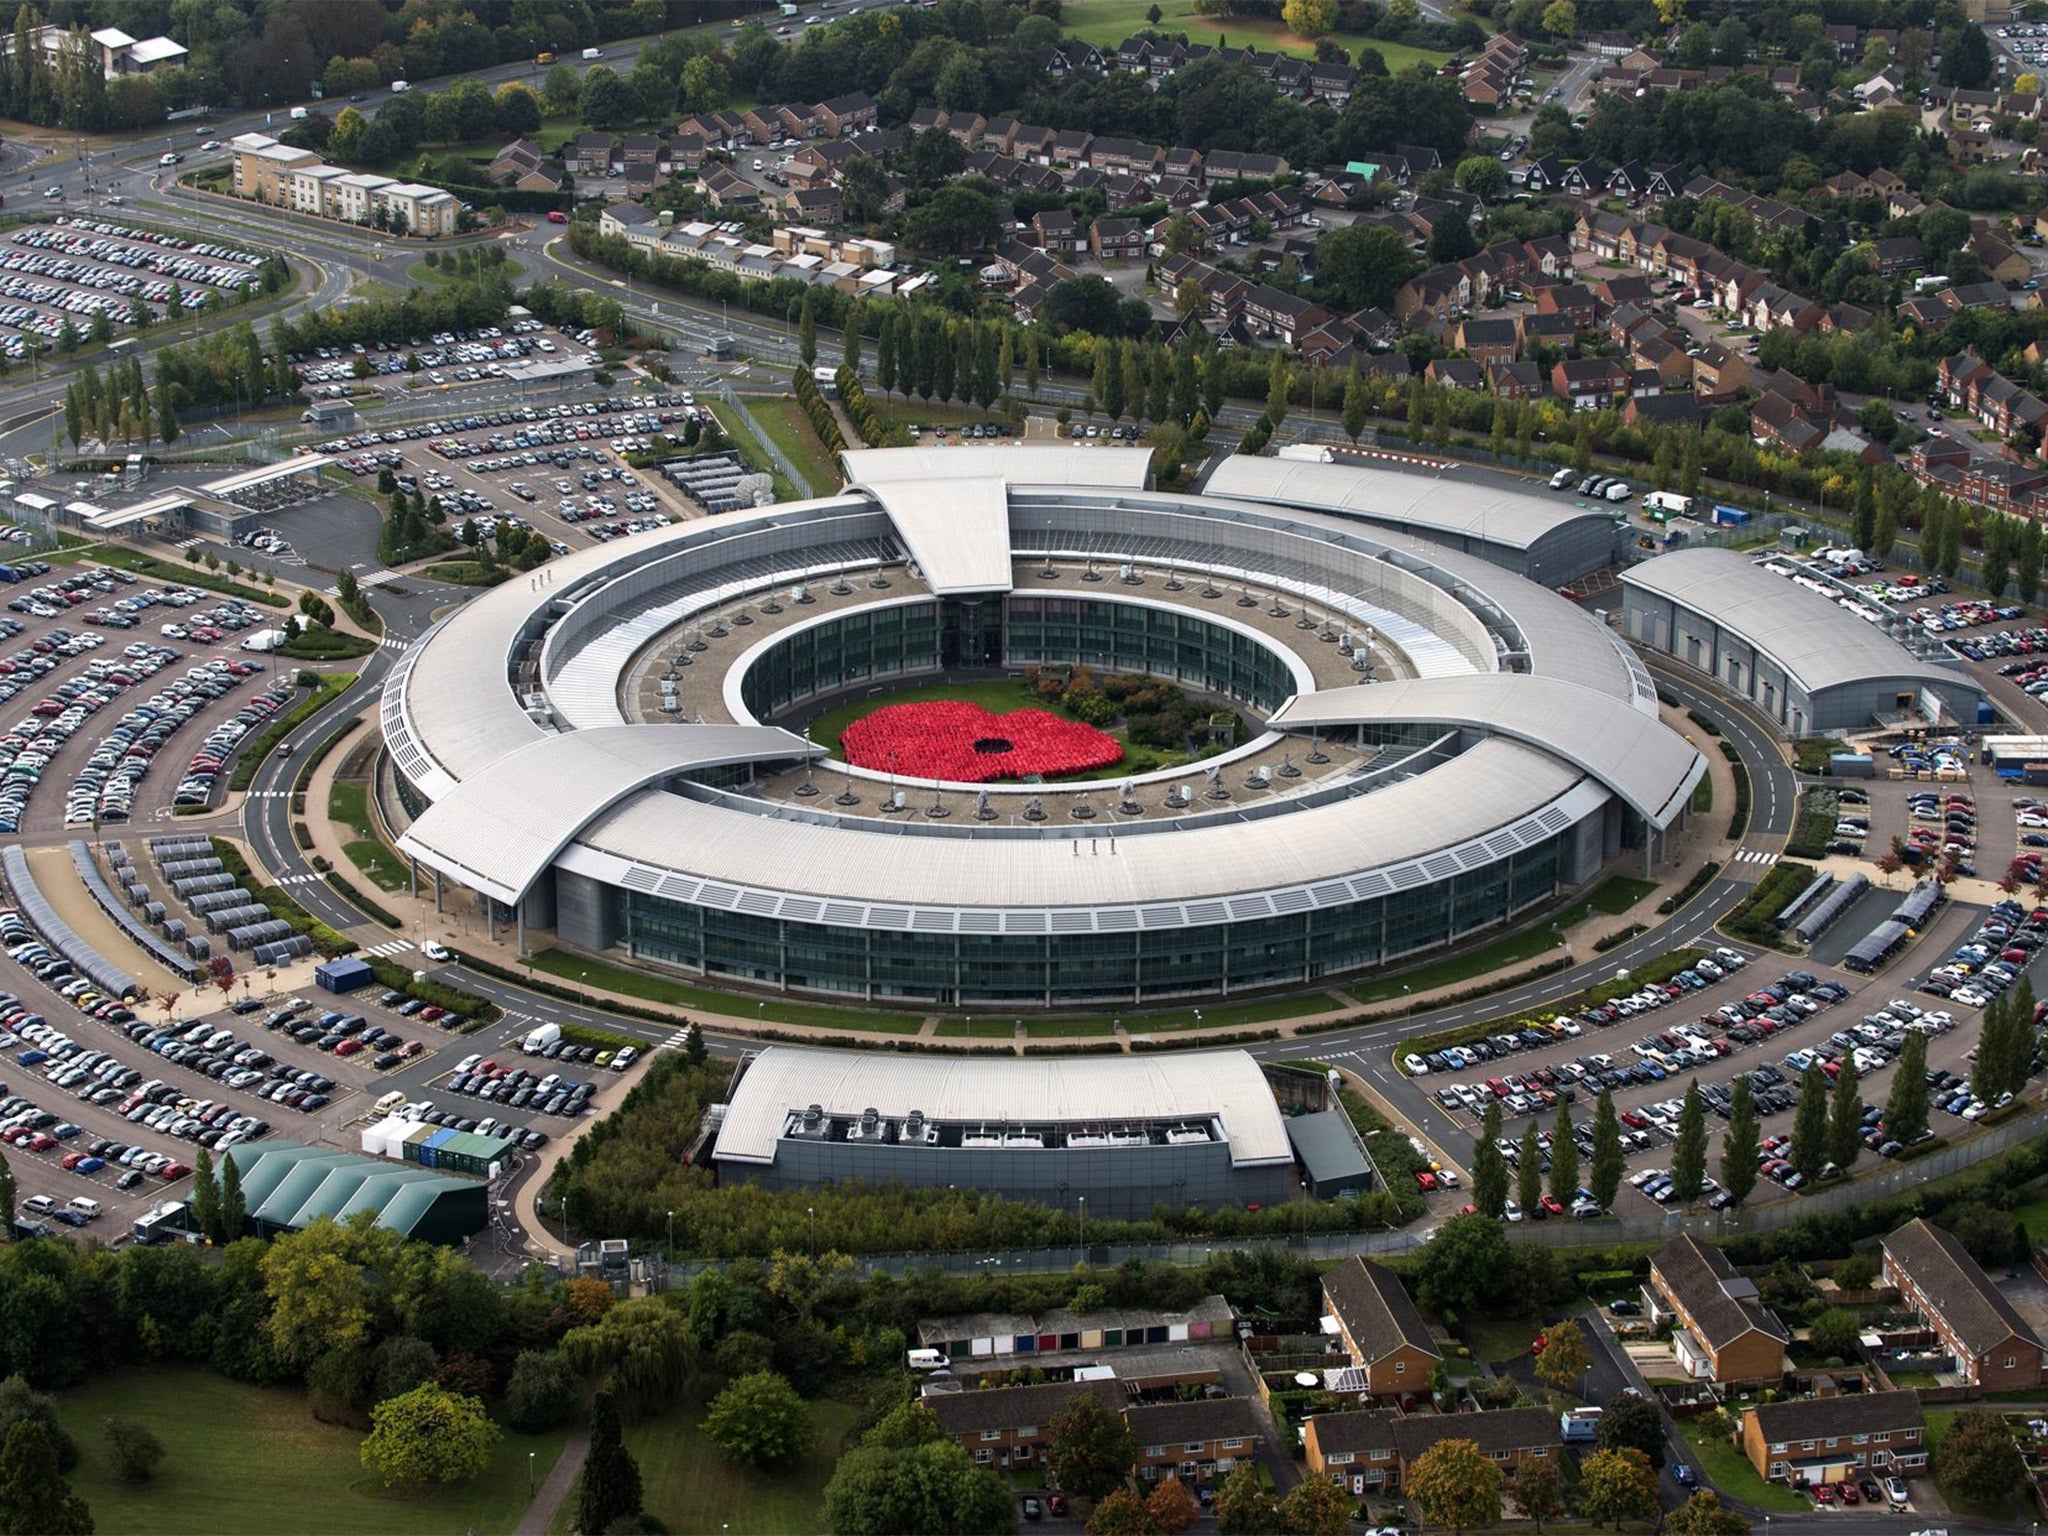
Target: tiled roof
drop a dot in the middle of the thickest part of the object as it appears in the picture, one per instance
(1952, 1282)
(1009, 1408)
(1700, 1277)
(1376, 1311)
(1171, 1424)
(1830, 1418)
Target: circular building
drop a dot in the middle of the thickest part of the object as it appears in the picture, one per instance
(1411, 744)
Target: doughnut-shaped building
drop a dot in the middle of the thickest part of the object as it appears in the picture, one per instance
(612, 747)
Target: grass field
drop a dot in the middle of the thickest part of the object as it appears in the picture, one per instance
(750, 450)
(977, 1029)
(790, 429)
(681, 994)
(1485, 960)
(691, 1488)
(1105, 23)
(1261, 1010)
(1729, 1470)
(251, 1459)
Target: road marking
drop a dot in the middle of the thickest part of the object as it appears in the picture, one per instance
(384, 951)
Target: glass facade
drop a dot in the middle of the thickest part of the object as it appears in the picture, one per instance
(911, 639)
(1035, 970)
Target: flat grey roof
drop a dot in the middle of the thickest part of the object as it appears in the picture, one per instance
(498, 830)
(1629, 750)
(1815, 641)
(784, 1079)
(1328, 1147)
(1427, 505)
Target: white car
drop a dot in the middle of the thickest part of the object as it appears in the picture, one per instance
(209, 144)
(437, 952)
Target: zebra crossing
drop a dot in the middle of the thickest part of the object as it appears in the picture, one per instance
(393, 643)
(188, 543)
(386, 951)
(297, 879)
(676, 1041)
(1756, 856)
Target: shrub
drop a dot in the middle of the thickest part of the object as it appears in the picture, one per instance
(859, 409)
(812, 399)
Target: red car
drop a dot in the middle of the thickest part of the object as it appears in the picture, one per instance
(1553, 1205)
(175, 1172)
(1823, 1493)
(1426, 1179)
(556, 216)
(1849, 1494)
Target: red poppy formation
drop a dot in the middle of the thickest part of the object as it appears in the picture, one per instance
(965, 743)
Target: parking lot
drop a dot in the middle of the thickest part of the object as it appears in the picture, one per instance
(1767, 1019)
(113, 676)
(450, 357)
(561, 469)
(74, 268)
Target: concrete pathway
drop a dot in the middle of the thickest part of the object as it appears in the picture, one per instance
(560, 1483)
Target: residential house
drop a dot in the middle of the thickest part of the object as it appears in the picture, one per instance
(1071, 57)
(1547, 331)
(686, 151)
(1200, 1442)
(1682, 409)
(1995, 1349)
(1724, 1331)
(1958, 374)
(1589, 383)
(1374, 1450)
(2001, 263)
(1574, 300)
(1117, 240)
(1805, 1441)
(845, 114)
(1281, 315)
(1224, 165)
(1550, 255)
(1719, 372)
(1897, 256)
(640, 149)
(1436, 294)
(1381, 1328)
(1456, 373)
(1488, 340)
(724, 189)
(1054, 231)
(1006, 1426)
(589, 154)
(1515, 381)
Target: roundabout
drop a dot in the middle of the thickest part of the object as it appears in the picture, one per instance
(1431, 744)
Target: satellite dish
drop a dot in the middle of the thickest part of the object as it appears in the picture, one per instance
(756, 490)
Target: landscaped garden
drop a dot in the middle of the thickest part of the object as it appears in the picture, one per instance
(968, 744)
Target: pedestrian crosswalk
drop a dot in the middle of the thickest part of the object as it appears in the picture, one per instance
(1756, 856)
(676, 1041)
(297, 879)
(188, 543)
(385, 951)
(393, 643)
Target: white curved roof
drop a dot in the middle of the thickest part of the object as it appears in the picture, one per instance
(1647, 764)
(1515, 519)
(498, 830)
(1817, 642)
(784, 1079)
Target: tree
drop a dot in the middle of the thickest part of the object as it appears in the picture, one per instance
(7, 1197)
(1455, 1485)
(1083, 304)
(1467, 1264)
(1965, 56)
(1705, 1515)
(1357, 402)
(134, 1450)
(1845, 1119)
(1244, 1507)
(1309, 18)
(1483, 177)
(1538, 1488)
(1529, 1171)
(205, 1196)
(759, 1421)
(1564, 1158)
(1561, 19)
(1739, 1144)
(1905, 1110)
(609, 1489)
(1565, 1356)
(1633, 1423)
(542, 1390)
(807, 329)
(1172, 1509)
(1604, 1177)
(34, 1498)
(1451, 238)
(1977, 1460)
(1316, 1507)
(1489, 1168)
(234, 1206)
(1835, 1333)
(961, 216)
(1089, 1449)
(1276, 388)
(429, 1435)
(1810, 1124)
(1120, 1513)
(1617, 1485)
(1997, 554)
(906, 1478)
(1689, 1153)
(707, 85)
(1363, 265)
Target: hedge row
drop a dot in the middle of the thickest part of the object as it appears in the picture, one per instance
(358, 900)
(1206, 1042)
(812, 399)
(330, 689)
(1754, 919)
(1701, 879)
(1738, 824)
(859, 409)
(397, 978)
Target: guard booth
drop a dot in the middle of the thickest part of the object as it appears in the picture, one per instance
(331, 415)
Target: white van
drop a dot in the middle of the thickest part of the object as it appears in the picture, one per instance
(299, 114)
(541, 1038)
(1561, 479)
(593, 53)
(400, 87)
(86, 1206)
(925, 1359)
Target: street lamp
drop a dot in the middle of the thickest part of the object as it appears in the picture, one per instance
(671, 1239)
(529, 1474)
(1084, 1224)
(811, 1227)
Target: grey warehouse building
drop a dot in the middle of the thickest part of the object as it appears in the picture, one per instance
(1549, 540)
(1103, 1136)
(1807, 663)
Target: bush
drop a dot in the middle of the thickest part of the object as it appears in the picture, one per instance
(439, 994)
(1739, 822)
(859, 409)
(1754, 919)
(812, 399)
(543, 1389)
(134, 1450)
(1261, 433)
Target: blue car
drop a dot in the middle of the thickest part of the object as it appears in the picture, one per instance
(1685, 1475)
(90, 1165)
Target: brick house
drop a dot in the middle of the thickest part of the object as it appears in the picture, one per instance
(1825, 1439)
(589, 154)
(1117, 239)
(1054, 230)
(1381, 1328)
(1198, 1442)
(1489, 340)
(1588, 383)
(845, 114)
(1006, 1426)
(1724, 1333)
(1282, 315)
(1374, 1450)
